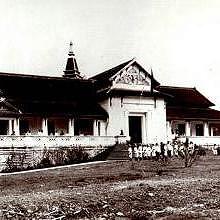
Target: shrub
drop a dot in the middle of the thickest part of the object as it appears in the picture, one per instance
(63, 156)
(18, 161)
(15, 162)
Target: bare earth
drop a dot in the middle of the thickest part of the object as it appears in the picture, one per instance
(115, 190)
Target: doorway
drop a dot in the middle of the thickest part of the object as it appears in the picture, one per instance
(51, 128)
(3, 127)
(135, 129)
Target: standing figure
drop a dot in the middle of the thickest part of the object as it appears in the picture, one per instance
(169, 149)
(136, 154)
(130, 152)
(157, 151)
(145, 152)
(162, 149)
(149, 151)
(153, 151)
(140, 152)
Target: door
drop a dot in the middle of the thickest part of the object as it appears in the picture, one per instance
(135, 129)
(51, 128)
(3, 127)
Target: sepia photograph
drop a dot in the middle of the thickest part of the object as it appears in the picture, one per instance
(109, 110)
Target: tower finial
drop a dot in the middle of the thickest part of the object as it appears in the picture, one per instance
(72, 69)
(71, 49)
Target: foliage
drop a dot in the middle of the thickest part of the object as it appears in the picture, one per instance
(63, 156)
(189, 155)
(15, 161)
(18, 161)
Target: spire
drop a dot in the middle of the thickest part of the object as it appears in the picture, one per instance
(71, 65)
(71, 49)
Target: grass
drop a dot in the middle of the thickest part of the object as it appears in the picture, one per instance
(142, 190)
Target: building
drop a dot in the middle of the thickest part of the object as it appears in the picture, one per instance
(135, 108)
(122, 103)
(189, 113)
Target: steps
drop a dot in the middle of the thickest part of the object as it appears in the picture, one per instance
(119, 152)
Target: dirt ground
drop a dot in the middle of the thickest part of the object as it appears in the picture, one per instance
(115, 190)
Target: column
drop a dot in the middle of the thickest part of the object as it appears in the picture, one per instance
(206, 129)
(71, 127)
(126, 125)
(144, 129)
(95, 130)
(212, 131)
(17, 126)
(10, 130)
(149, 126)
(169, 131)
(44, 126)
(188, 132)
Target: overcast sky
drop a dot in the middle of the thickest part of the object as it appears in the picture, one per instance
(179, 39)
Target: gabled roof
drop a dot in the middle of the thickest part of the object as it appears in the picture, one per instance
(103, 79)
(111, 72)
(32, 87)
(184, 96)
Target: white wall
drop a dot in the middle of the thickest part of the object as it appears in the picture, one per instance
(153, 116)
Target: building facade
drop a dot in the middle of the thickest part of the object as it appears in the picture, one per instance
(122, 103)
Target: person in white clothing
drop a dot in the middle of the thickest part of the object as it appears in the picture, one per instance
(136, 154)
(140, 152)
(130, 152)
(153, 151)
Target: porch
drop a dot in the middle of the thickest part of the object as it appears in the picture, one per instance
(198, 131)
(52, 126)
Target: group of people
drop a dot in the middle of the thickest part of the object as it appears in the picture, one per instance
(157, 151)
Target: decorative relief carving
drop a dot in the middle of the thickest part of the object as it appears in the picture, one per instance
(133, 76)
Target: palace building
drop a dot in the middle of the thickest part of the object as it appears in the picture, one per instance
(122, 103)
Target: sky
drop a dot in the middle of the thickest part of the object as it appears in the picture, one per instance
(178, 39)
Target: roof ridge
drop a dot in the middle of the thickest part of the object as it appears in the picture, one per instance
(114, 67)
(38, 76)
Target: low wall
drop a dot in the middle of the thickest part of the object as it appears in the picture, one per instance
(49, 141)
(208, 141)
(33, 146)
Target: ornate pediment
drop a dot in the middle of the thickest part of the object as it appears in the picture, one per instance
(7, 107)
(133, 78)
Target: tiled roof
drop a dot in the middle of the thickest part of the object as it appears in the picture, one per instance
(65, 109)
(183, 96)
(50, 95)
(103, 79)
(111, 72)
(192, 113)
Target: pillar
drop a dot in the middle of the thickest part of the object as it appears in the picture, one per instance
(206, 129)
(144, 129)
(126, 125)
(44, 126)
(10, 127)
(188, 132)
(95, 128)
(169, 131)
(71, 127)
(212, 131)
(17, 126)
